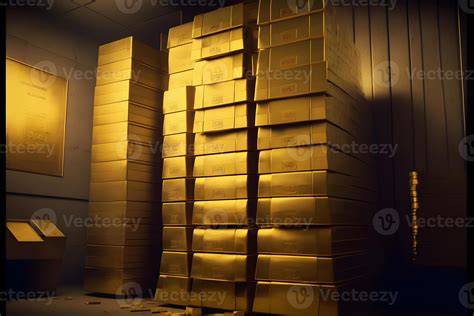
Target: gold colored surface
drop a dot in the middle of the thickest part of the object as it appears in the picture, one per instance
(236, 241)
(175, 263)
(178, 122)
(312, 241)
(178, 167)
(127, 90)
(224, 93)
(112, 281)
(223, 69)
(173, 290)
(130, 48)
(181, 79)
(292, 30)
(224, 118)
(126, 150)
(127, 232)
(224, 188)
(123, 191)
(180, 35)
(181, 99)
(225, 164)
(225, 212)
(124, 131)
(223, 267)
(224, 19)
(228, 141)
(180, 58)
(118, 257)
(177, 238)
(127, 112)
(177, 214)
(178, 145)
(123, 170)
(131, 69)
(272, 11)
(303, 211)
(177, 190)
(36, 102)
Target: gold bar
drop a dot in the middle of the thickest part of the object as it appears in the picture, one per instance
(224, 93)
(177, 190)
(273, 11)
(239, 163)
(178, 167)
(177, 238)
(177, 214)
(225, 212)
(180, 35)
(176, 263)
(227, 141)
(236, 241)
(224, 188)
(223, 267)
(181, 99)
(224, 118)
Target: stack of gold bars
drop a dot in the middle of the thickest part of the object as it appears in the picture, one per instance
(122, 240)
(316, 192)
(174, 282)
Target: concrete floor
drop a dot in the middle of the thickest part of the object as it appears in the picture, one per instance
(72, 302)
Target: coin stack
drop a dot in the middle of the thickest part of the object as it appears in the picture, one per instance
(225, 167)
(174, 283)
(122, 246)
(315, 194)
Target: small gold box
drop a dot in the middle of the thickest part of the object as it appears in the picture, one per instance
(225, 188)
(180, 35)
(125, 150)
(181, 99)
(227, 141)
(123, 191)
(231, 240)
(133, 70)
(124, 131)
(178, 167)
(314, 241)
(130, 48)
(225, 213)
(178, 122)
(272, 11)
(178, 190)
(224, 118)
(225, 43)
(177, 213)
(123, 170)
(176, 263)
(178, 145)
(127, 90)
(224, 19)
(225, 164)
(181, 79)
(180, 58)
(119, 257)
(225, 68)
(127, 112)
(224, 93)
(308, 211)
(174, 290)
(177, 238)
(223, 267)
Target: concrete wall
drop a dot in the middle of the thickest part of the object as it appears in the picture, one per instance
(34, 38)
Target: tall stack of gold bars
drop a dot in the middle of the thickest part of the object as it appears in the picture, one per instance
(123, 239)
(212, 101)
(316, 192)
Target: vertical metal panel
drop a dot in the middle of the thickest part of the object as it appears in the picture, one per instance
(362, 40)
